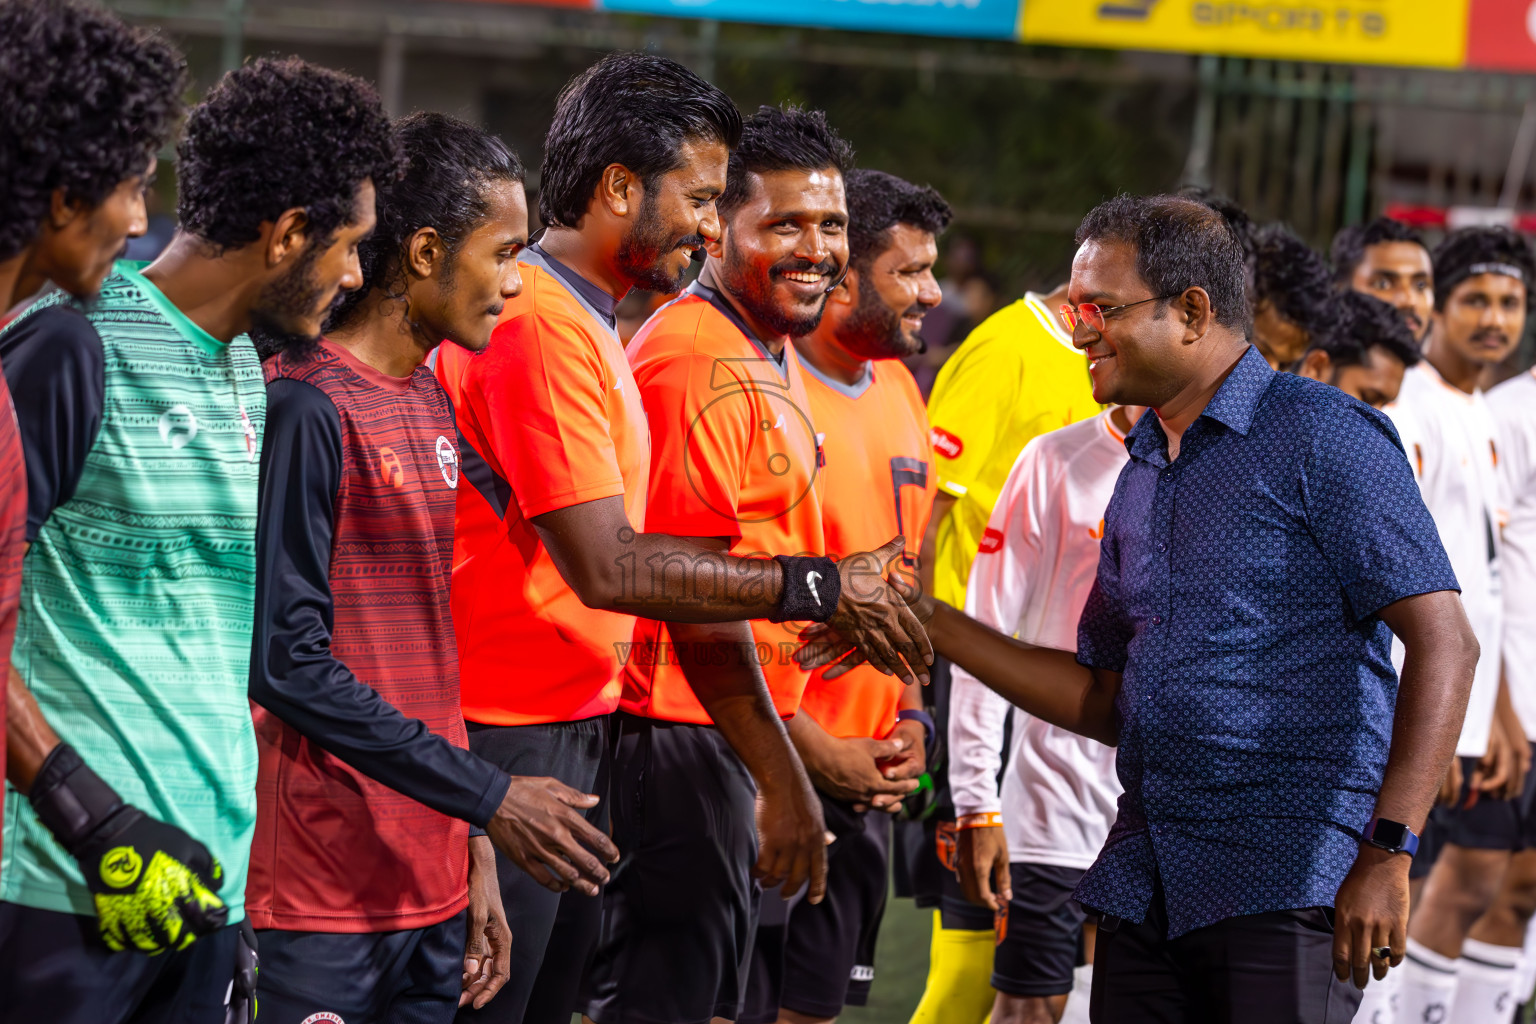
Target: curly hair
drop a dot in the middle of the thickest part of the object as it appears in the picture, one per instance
(1180, 243)
(782, 139)
(634, 109)
(448, 164)
(878, 201)
(1236, 217)
(1364, 322)
(1349, 245)
(276, 135)
(85, 101)
(1292, 278)
(1463, 254)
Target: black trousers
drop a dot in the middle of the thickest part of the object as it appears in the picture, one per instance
(1274, 968)
(552, 933)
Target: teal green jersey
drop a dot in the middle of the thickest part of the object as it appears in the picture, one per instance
(137, 593)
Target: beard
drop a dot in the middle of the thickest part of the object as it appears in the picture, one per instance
(754, 291)
(643, 253)
(284, 302)
(873, 329)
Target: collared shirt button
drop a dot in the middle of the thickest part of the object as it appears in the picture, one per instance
(1157, 620)
(1162, 545)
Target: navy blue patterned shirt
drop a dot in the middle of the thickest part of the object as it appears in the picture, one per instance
(1237, 591)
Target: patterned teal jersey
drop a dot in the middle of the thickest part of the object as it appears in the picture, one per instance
(138, 592)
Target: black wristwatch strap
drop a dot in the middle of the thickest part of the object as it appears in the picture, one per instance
(70, 798)
(812, 587)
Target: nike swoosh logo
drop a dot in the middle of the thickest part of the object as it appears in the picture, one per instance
(810, 581)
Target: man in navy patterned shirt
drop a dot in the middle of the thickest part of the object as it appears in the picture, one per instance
(1262, 546)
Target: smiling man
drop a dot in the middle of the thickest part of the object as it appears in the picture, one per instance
(548, 557)
(143, 414)
(1274, 767)
(1388, 260)
(864, 738)
(734, 469)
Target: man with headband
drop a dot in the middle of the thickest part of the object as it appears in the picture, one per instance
(1482, 280)
(550, 568)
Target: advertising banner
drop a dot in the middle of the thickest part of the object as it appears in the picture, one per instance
(1410, 32)
(977, 19)
(1501, 35)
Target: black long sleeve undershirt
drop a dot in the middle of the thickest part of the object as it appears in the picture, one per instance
(294, 674)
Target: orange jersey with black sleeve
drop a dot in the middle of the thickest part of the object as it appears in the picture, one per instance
(878, 481)
(549, 416)
(733, 455)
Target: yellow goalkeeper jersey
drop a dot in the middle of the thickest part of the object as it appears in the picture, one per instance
(1015, 377)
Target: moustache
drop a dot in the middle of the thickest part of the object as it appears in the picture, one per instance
(1491, 336)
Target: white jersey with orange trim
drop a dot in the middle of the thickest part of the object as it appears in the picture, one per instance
(1449, 436)
(1513, 406)
(1037, 562)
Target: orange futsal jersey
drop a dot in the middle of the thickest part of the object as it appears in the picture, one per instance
(877, 481)
(733, 455)
(549, 416)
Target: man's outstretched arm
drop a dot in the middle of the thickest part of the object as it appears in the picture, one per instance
(1371, 910)
(658, 576)
(1046, 683)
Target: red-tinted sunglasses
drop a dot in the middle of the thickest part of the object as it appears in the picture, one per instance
(1092, 314)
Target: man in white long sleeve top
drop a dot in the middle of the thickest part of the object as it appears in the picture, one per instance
(1022, 851)
(1482, 282)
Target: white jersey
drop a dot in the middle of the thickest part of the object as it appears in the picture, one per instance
(1449, 437)
(1031, 578)
(1513, 405)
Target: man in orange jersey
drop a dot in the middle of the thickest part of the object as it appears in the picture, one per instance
(863, 737)
(734, 468)
(549, 568)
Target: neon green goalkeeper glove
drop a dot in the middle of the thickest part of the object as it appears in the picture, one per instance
(155, 887)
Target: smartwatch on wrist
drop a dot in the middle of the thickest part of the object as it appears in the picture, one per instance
(1392, 836)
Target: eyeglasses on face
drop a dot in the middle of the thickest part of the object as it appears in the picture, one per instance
(1092, 314)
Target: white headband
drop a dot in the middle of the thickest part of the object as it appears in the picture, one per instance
(1507, 269)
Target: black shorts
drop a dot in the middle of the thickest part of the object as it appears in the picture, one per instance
(552, 933)
(1492, 824)
(54, 968)
(823, 957)
(1040, 938)
(404, 977)
(1430, 842)
(680, 911)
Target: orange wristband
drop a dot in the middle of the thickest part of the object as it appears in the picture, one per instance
(987, 819)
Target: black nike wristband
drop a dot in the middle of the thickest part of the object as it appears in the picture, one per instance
(812, 587)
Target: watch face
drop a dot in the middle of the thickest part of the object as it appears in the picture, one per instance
(1390, 833)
